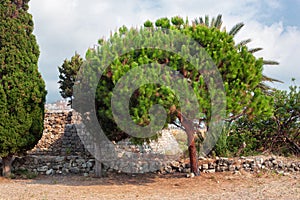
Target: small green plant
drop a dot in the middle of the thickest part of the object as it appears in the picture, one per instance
(25, 174)
(12, 176)
(221, 148)
(213, 154)
(68, 150)
(260, 174)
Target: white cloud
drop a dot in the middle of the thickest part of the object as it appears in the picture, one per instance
(279, 43)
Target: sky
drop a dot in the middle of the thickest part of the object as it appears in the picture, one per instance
(63, 27)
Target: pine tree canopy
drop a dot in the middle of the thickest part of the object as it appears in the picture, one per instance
(240, 70)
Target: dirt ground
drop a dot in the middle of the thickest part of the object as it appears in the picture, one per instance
(225, 185)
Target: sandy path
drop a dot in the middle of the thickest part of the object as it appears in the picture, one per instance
(117, 186)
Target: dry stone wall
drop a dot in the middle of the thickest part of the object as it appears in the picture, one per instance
(61, 151)
(64, 165)
(254, 164)
(59, 137)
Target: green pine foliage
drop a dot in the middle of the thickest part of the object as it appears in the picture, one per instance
(67, 76)
(240, 69)
(22, 89)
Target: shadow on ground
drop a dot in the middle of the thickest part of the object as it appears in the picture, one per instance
(109, 179)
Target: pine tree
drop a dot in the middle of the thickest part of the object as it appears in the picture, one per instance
(241, 74)
(22, 88)
(67, 76)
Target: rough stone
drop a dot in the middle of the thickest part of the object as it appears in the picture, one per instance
(42, 169)
(190, 175)
(231, 168)
(205, 166)
(50, 172)
(86, 174)
(274, 162)
(74, 170)
(59, 159)
(259, 160)
(210, 171)
(202, 158)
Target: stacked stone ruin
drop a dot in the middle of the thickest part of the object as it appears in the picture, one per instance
(61, 151)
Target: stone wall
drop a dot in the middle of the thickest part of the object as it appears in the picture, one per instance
(252, 164)
(61, 151)
(59, 137)
(50, 165)
(64, 165)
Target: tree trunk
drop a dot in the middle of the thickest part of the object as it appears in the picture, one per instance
(99, 172)
(188, 125)
(98, 168)
(7, 161)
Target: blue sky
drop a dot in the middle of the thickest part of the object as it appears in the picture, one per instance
(65, 26)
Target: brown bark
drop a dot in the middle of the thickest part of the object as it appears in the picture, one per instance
(189, 129)
(193, 154)
(98, 168)
(7, 161)
(99, 172)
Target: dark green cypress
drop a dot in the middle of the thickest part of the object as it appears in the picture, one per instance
(22, 88)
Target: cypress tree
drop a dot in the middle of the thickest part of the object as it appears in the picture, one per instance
(22, 89)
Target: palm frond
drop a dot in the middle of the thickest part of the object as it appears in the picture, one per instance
(270, 62)
(201, 20)
(207, 20)
(243, 42)
(266, 89)
(218, 23)
(236, 29)
(264, 86)
(269, 79)
(254, 50)
(196, 21)
(212, 23)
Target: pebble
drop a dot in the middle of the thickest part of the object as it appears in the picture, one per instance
(210, 171)
(202, 158)
(86, 174)
(286, 174)
(50, 172)
(190, 175)
(42, 169)
(205, 166)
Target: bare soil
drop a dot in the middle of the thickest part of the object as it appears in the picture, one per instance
(243, 185)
